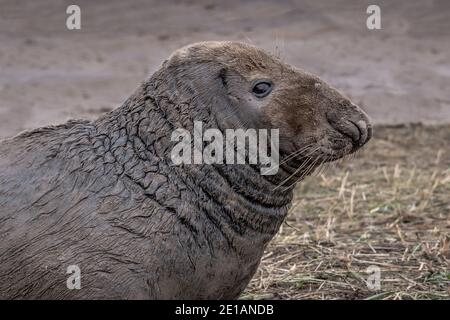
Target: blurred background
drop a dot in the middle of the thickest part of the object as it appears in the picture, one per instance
(48, 74)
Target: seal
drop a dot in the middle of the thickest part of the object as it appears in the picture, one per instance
(103, 201)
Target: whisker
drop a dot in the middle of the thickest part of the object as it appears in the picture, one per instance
(305, 173)
(294, 154)
(298, 169)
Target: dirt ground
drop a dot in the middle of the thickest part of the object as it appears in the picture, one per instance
(389, 207)
(49, 74)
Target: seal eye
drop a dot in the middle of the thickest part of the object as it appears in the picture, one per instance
(262, 88)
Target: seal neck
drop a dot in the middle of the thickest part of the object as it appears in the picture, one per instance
(242, 200)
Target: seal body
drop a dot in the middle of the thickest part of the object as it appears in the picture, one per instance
(105, 197)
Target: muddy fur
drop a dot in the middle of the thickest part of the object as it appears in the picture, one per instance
(104, 195)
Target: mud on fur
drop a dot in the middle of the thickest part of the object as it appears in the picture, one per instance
(103, 195)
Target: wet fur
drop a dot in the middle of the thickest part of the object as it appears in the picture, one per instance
(105, 196)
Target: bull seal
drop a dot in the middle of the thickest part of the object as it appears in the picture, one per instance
(104, 196)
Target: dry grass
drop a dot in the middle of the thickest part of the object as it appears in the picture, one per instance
(389, 207)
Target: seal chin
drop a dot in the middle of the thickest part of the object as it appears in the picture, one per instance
(330, 154)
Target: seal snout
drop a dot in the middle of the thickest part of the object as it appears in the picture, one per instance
(356, 127)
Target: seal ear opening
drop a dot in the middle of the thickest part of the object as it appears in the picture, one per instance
(223, 76)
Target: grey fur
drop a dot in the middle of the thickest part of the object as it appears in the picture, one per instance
(105, 196)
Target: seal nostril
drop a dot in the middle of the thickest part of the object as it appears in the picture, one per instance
(356, 131)
(363, 131)
(345, 127)
(359, 131)
(369, 132)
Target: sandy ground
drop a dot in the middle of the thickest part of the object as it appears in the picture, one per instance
(49, 74)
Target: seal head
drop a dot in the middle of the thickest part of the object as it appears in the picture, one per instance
(245, 87)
